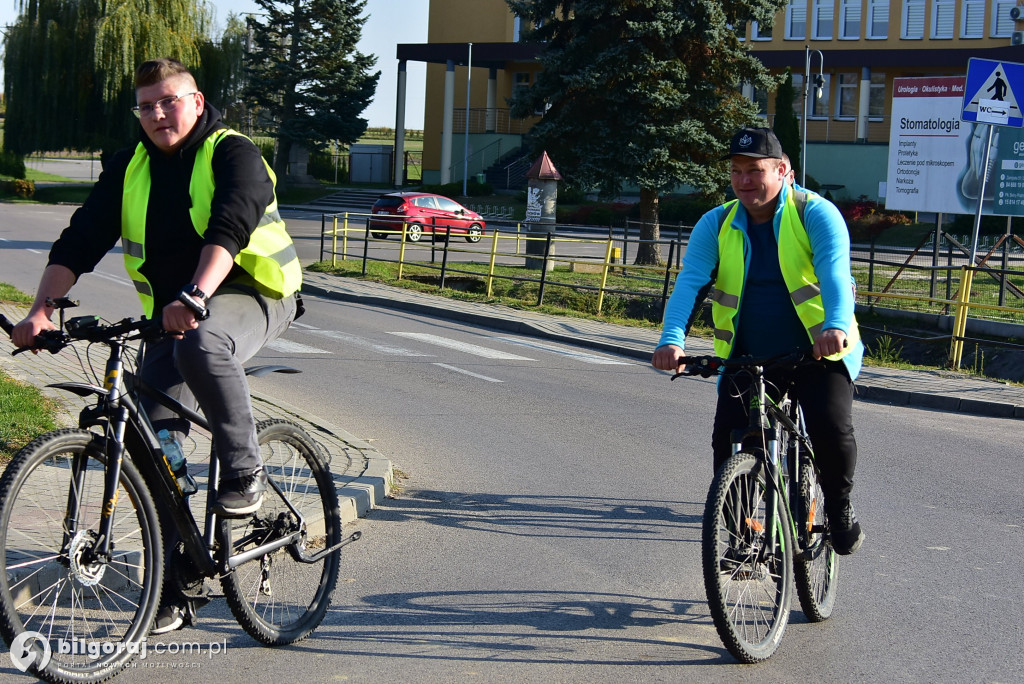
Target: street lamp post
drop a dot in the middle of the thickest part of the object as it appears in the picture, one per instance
(465, 146)
(819, 81)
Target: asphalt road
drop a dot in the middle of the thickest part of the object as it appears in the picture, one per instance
(548, 529)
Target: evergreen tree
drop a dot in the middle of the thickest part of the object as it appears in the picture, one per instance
(68, 67)
(787, 125)
(644, 93)
(306, 73)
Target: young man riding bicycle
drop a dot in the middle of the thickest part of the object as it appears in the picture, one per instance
(194, 208)
(778, 260)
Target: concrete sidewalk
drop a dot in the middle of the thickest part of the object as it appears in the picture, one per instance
(938, 389)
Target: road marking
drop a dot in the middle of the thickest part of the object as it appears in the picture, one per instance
(581, 356)
(288, 347)
(466, 372)
(367, 344)
(466, 347)
(296, 324)
(113, 278)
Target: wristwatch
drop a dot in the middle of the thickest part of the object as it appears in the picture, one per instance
(195, 299)
(194, 291)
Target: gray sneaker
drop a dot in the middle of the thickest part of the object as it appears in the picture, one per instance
(240, 496)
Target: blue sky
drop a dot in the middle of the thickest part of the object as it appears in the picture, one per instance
(389, 22)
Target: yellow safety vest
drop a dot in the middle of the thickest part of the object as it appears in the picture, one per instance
(270, 256)
(795, 260)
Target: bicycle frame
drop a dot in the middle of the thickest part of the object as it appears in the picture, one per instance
(768, 422)
(125, 423)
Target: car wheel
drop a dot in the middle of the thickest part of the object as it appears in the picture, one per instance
(380, 236)
(475, 231)
(413, 232)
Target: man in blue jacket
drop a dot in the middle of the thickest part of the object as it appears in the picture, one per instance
(776, 262)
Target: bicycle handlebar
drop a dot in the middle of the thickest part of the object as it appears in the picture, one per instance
(706, 366)
(90, 329)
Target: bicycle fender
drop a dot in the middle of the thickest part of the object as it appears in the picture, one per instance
(82, 389)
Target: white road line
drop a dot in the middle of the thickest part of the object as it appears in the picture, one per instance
(581, 356)
(466, 372)
(296, 324)
(367, 344)
(466, 347)
(107, 276)
(288, 347)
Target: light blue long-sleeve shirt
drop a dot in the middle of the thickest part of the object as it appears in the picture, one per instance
(830, 248)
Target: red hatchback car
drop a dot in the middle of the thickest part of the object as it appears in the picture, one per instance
(425, 213)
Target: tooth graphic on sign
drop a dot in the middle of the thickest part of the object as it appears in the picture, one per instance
(972, 179)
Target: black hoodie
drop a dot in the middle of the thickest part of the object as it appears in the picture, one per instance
(243, 192)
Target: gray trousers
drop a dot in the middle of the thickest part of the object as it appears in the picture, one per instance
(205, 369)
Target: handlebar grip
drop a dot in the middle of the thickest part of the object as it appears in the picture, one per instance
(6, 325)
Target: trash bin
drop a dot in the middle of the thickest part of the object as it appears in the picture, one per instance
(481, 178)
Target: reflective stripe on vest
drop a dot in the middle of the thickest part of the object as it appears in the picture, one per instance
(270, 256)
(795, 260)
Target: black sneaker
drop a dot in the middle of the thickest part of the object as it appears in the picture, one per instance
(241, 496)
(847, 535)
(168, 619)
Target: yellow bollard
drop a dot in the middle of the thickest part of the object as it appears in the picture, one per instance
(956, 347)
(490, 267)
(334, 243)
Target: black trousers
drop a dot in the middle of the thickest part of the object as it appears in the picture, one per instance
(825, 392)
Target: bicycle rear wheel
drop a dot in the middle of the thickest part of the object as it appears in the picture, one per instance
(814, 568)
(278, 598)
(747, 580)
(96, 611)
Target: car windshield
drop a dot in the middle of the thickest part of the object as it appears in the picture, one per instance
(388, 202)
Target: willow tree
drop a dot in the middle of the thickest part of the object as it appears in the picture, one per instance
(641, 93)
(68, 67)
(306, 73)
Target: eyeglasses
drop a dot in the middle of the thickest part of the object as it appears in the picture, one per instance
(166, 105)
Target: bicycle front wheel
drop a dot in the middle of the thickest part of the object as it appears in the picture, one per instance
(69, 614)
(747, 560)
(815, 566)
(279, 597)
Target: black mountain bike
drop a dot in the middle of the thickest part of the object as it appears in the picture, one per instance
(80, 538)
(764, 521)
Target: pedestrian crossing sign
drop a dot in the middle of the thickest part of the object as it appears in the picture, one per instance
(990, 93)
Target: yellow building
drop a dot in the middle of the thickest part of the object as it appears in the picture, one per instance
(857, 46)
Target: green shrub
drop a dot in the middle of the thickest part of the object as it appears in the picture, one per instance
(20, 188)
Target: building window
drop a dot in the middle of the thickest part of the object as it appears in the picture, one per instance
(849, 19)
(759, 31)
(798, 101)
(1002, 24)
(846, 96)
(943, 16)
(760, 96)
(824, 12)
(876, 96)
(796, 20)
(913, 20)
(741, 31)
(878, 18)
(972, 19)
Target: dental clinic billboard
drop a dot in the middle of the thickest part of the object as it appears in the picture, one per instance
(935, 157)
